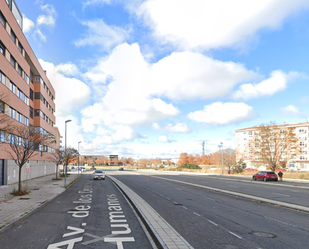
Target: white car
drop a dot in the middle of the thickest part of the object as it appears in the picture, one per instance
(98, 174)
(83, 169)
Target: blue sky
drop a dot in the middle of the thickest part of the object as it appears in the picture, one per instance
(154, 78)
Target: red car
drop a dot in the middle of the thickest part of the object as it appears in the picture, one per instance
(265, 176)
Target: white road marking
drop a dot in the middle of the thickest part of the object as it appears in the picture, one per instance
(282, 194)
(213, 223)
(237, 236)
(209, 198)
(184, 207)
(197, 214)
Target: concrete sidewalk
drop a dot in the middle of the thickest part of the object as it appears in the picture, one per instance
(42, 190)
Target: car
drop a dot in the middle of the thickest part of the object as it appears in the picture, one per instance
(83, 169)
(121, 169)
(265, 176)
(98, 174)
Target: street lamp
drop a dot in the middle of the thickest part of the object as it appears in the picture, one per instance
(65, 152)
(78, 158)
(221, 147)
(176, 159)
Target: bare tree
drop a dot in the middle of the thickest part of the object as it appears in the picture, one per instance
(24, 144)
(57, 157)
(275, 145)
(229, 158)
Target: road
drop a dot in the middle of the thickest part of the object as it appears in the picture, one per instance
(95, 214)
(90, 214)
(210, 219)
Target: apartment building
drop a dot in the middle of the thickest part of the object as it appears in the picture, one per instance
(293, 155)
(26, 98)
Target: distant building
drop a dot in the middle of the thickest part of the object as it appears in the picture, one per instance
(248, 148)
(29, 97)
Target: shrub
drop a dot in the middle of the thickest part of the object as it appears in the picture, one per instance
(189, 166)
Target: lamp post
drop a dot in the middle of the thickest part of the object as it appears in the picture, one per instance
(65, 152)
(221, 147)
(176, 159)
(78, 158)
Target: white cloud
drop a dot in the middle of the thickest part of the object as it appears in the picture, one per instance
(187, 75)
(213, 24)
(67, 69)
(180, 127)
(28, 25)
(95, 2)
(50, 18)
(164, 139)
(38, 33)
(71, 93)
(223, 113)
(292, 111)
(99, 33)
(277, 82)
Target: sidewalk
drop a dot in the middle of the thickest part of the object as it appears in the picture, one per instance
(42, 190)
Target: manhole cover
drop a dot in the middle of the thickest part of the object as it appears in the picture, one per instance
(263, 234)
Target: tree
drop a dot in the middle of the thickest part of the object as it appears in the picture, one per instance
(274, 145)
(239, 167)
(25, 144)
(183, 158)
(99, 161)
(57, 157)
(229, 158)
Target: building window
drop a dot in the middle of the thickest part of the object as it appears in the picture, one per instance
(31, 94)
(2, 136)
(12, 113)
(13, 36)
(2, 78)
(31, 112)
(20, 94)
(20, 47)
(13, 87)
(12, 61)
(1, 106)
(18, 141)
(37, 95)
(19, 70)
(26, 100)
(36, 112)
(26, 78)
(11, 139)
(26, 121)
(2, 48)
(38, 79)
(2, 19)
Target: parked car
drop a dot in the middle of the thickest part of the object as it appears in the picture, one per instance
(265, 176)
(83, 169)
(98, 174)
(121, 169)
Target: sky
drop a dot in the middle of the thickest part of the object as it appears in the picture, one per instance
(155, 78)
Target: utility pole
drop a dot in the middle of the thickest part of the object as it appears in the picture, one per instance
(203, 144)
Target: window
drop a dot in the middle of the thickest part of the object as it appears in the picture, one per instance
(12, 113)
(18, 141)
(31, 94)
(19, 70)
(38, 79)
(37, 95)
(11, 139)
(31, 112)
(2, 136)
(20, 47)
(2, 78)
(12, 61)
(31, 76)
(26, 78)
(13, 36)
(36, 112)
(2, 19)
(2, 48)
(13, 87)
(1, 106)
(20, 94)
(26, 100)
(19, 117)
(26, 121)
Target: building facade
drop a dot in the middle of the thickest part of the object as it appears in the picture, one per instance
(26, 98)
(291, 150)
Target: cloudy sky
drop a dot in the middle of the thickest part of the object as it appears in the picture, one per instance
(154, 78)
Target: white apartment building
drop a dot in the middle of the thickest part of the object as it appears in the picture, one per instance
(249, 151)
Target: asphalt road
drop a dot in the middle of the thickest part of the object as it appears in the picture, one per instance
(210, 219)
(90, 214)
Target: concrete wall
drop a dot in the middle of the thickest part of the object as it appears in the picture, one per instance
(35, 169)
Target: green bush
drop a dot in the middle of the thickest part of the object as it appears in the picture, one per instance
(189, 166)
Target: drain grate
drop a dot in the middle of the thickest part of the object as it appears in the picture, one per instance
(24, 198)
